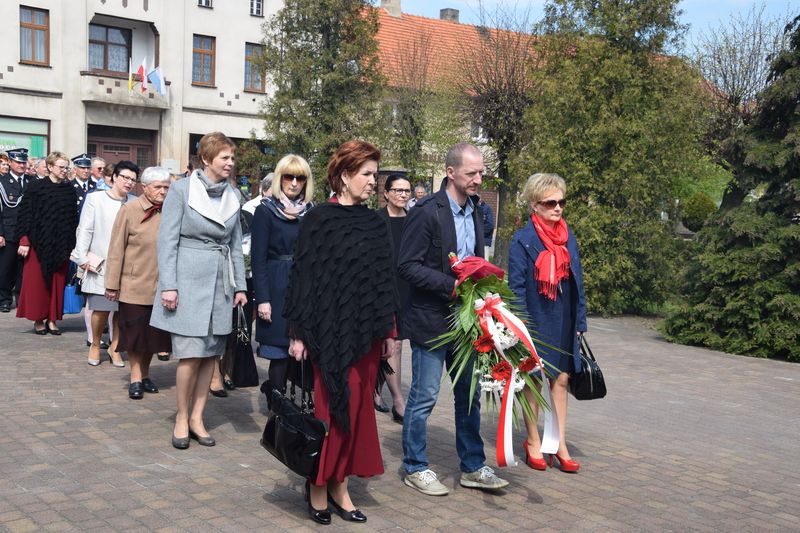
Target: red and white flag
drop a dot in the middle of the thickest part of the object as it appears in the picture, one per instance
(142, 72)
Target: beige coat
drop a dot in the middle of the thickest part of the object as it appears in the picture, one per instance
(132, 264)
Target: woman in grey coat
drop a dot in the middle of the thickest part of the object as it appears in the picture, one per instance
(201, 277)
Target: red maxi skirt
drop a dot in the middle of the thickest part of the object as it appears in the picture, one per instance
(359, 452)
(36, 301)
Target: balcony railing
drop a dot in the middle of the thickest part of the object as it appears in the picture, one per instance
(112, 88)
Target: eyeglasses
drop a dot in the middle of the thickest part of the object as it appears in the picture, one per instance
(291, 177)
(61, 167)
(400, 191)
(551, 204)
(128, 179)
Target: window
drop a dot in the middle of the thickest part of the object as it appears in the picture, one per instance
(109, 48)
(253, 79)
(34, 36)
(257, 8)
(203, 60)
(204, 3)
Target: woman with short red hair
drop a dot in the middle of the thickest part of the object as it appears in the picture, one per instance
(340, 309)
(201, 278)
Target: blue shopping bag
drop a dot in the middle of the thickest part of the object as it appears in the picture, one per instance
(73, 299)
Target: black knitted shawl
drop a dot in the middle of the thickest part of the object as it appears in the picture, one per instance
(341, 296)
(48, 217)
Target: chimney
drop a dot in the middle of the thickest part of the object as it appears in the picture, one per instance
(449, 13)
(392, 7)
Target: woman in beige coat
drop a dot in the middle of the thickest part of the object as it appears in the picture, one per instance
(131, 277)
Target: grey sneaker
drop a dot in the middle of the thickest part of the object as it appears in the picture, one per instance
(426, 482)
(482, 478)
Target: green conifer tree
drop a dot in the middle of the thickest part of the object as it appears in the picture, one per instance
(743, 286)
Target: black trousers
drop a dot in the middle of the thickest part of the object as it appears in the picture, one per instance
(10, 272)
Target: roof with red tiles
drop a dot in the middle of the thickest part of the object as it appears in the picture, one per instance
(414, 49)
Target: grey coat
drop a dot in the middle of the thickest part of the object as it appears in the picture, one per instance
(200, 256)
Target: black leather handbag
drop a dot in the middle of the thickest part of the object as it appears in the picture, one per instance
(588, 384)
(292, 434)
(244, 372)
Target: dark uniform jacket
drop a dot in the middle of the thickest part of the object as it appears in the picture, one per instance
(91, 185)
(9, 205)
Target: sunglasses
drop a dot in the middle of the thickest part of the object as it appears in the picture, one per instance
(551, 204)
(291, 177)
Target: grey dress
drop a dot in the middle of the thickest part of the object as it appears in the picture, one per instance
(200, 256)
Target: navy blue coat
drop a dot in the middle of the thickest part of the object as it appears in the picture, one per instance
(545, 315)
(272, 240)
(429, 237)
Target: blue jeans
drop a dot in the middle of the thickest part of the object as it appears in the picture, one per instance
(426, 378)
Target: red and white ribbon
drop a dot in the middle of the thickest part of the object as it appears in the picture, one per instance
(493, 308)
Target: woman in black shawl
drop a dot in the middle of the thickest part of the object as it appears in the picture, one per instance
(47, 222)
(340, 310)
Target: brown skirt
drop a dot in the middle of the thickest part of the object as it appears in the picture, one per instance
(136, 334)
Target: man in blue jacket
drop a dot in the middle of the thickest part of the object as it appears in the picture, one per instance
(440, 224)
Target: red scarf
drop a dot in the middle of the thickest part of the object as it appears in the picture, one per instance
(552, 265)
(152, 210)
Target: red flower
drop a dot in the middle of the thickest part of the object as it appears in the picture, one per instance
(484, 344)
(501, 371)
(474, 268)
(528, 364)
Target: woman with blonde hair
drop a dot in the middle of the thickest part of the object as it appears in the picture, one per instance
(46, 226)
(544, 271)
(273, 235)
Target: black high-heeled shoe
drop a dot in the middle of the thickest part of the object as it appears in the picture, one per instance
(52, 331)
(397, 417)
(319, 516)
(219, 393)
(351, 516)
(228, 384)
(42, 331)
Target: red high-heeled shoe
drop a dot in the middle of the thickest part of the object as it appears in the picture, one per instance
(565, 465)
(536, 464)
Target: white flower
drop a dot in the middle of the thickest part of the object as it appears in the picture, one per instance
(505, 337)
(489, 384)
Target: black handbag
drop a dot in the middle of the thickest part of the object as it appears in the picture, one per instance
(588, 384)
(244, 372)
(292, 434)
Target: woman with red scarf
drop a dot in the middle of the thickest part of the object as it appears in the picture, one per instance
(544, 271)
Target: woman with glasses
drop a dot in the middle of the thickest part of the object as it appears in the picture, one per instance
(274, 232)
(99, 211)
(544, 271)
(397, 193)
(46, 226)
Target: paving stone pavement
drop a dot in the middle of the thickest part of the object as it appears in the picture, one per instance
(687, 440)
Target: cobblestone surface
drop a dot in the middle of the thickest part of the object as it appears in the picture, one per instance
(687, 440)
